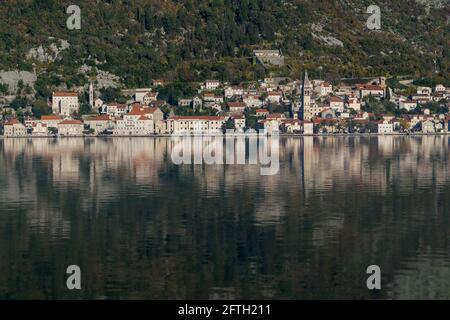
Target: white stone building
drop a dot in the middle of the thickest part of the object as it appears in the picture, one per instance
(150, 97)
(440, 88)
(39, 129)
(70, 128)
(233, 91)
(271, 126)
(428, 126)
(236, 107)
(65, 103)
(51, 121)
(337, 104)
(408, 105)
(14, 128)
(115, 109)
(140, 121)
(274, 97)
(100, 123)
(211, 97)
(212, 84)
(324, 89)
(195, 124)
(140, 93)
(239, 123)
(385, 127)
(371, 90)
(252, 101)
(353, 103)
(308, 127)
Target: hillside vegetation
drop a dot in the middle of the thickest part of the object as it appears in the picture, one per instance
(192, 40)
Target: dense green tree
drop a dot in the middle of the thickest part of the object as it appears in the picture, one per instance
(40, 108)
(111, 94)
(19, 102)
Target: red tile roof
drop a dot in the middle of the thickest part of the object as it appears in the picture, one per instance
(42, 124)
(11, 122)
(102, 117)
(211, 118)
(65, 94)
(51, 117)
(71, 122)
(115, 104)
(236, 105)
(140, 111)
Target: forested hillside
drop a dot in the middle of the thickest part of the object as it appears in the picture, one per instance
(192, 40)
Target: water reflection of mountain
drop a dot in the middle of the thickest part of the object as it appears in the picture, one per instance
(144, 227)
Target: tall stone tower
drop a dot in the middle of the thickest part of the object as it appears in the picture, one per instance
(307, 89)
(91, 94)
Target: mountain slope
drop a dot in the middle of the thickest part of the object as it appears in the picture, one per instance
(191, 40)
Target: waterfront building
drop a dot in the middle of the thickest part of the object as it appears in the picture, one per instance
(51, 121)
(99, 123)
(308, 127)
(385, 127)
(239, 122)
(70, 127)
(271, 126)
(195, 124)
(115, 109)
(428, 126)
(150, 97)
(39, 129)
(14, 128)
(140, 121)
(292, 126)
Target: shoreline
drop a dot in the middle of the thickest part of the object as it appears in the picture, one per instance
(239, 135)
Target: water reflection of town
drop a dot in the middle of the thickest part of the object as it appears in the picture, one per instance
(310, 164)
(365, 200)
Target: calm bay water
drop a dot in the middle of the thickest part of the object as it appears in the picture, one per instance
(141, 227)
